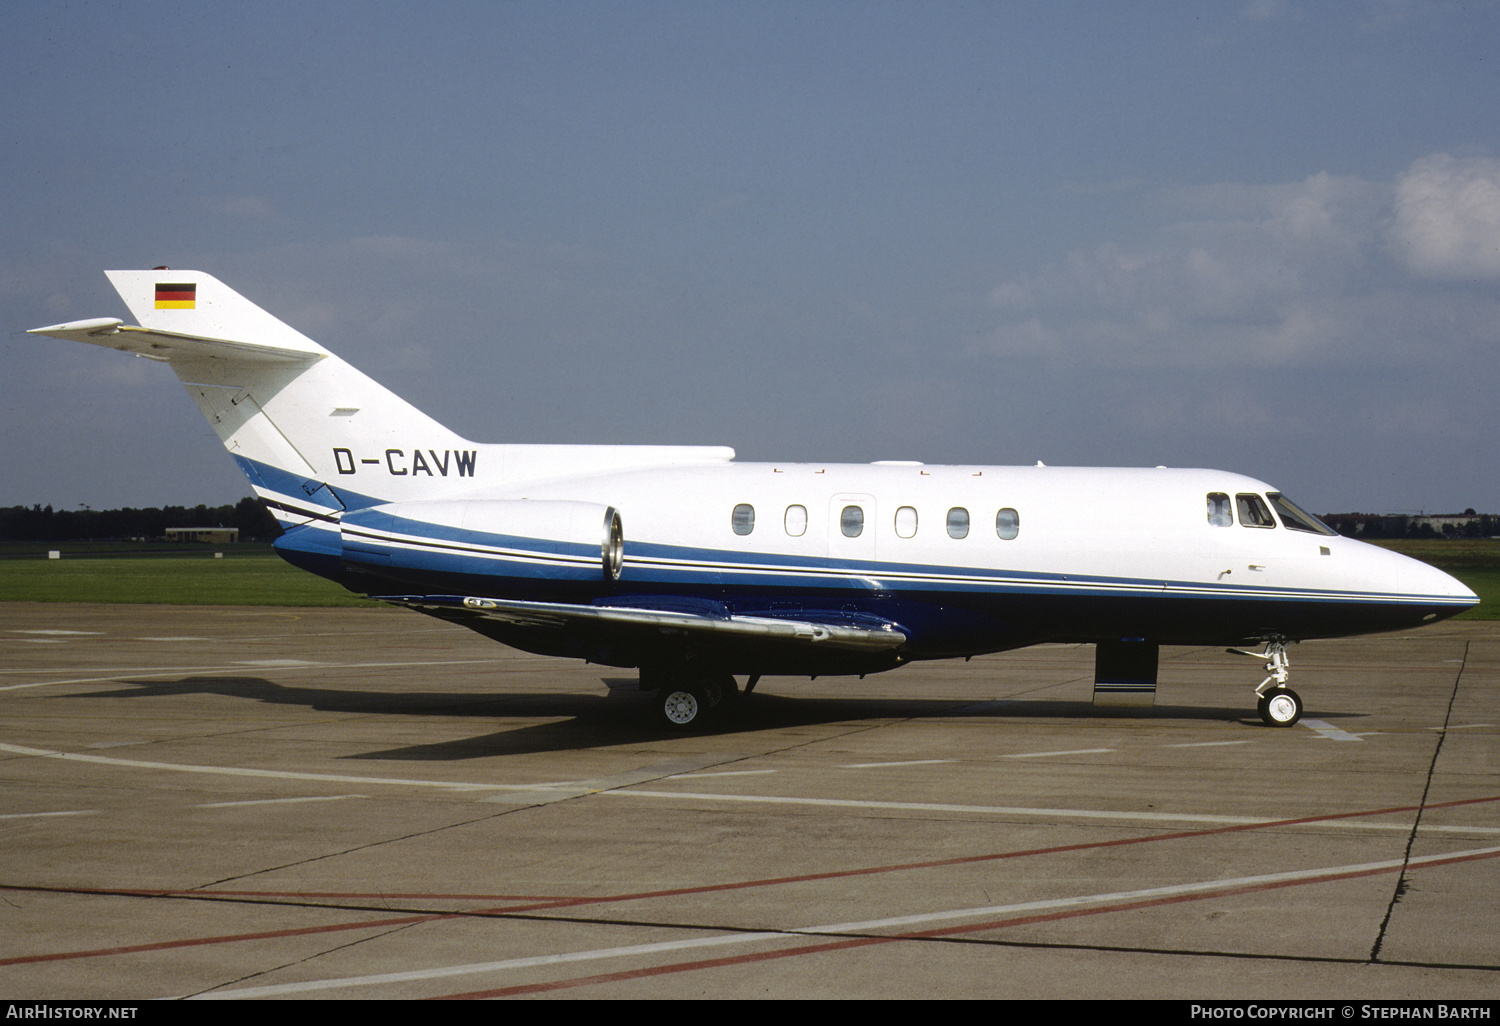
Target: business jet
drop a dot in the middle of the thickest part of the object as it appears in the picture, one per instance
(696, 569)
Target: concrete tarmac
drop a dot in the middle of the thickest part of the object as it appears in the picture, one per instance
(250, 802)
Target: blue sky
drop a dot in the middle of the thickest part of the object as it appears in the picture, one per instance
(1262, 236)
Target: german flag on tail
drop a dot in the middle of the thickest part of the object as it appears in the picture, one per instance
(182, 296)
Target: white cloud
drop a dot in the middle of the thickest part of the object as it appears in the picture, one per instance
(1447, 218)
(1237, 276)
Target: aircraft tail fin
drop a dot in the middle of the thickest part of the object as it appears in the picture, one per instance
(197, 304)
(300, 422)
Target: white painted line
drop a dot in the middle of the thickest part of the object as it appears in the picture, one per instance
(606, 788)
(1043, 755)
(442, 972)
(1115, 897)
(990, 810)
(236, 771)
(1462, 726)
(276, 662)
(1329, 731)
(171, 638)
(15, 630)
(726, 773)
(37, 815)
(1009, 810)
(279, 801)
(1210, 744)
(865, 926)
(883, 765)
(148, 671)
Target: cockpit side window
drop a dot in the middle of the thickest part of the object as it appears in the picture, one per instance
(1219, 512)
(1295, 517)
(1253, 510)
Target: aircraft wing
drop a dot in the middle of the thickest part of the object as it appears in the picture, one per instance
(847, 632)
(155, 344)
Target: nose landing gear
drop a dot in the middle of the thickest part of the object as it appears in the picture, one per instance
(1278, 706)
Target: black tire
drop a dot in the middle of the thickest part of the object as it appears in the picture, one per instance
(1280, 707)
(722, 691)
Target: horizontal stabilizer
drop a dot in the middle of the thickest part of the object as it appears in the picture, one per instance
(166, 345)
(864, 637)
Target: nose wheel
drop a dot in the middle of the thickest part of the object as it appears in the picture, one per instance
(1280, 707)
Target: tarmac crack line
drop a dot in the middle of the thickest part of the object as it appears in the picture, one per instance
(364, 847)
(1399, 890)
(209, 991)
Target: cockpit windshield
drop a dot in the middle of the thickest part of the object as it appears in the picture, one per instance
(1295, 517)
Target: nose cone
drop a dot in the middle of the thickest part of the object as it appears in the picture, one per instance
(1437, 594)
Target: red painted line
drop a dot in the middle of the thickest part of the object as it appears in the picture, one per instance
(229, 939)
(374, 895)
(992, 857)
(946, 931)
(530, 905)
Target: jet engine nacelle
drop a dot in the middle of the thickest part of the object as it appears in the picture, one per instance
(528, 538)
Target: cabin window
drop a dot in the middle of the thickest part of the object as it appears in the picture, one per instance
(796, 521)
(1219, 512)
(1007, 523)
(1295, 518)
(906, 522)
(852, 521)
(958, 522)
(1253, 511)
(743, 518)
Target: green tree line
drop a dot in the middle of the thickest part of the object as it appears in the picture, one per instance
(45, 524)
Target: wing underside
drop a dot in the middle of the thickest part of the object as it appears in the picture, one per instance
(629, 635)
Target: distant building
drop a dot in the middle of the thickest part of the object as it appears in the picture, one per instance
(211, 535)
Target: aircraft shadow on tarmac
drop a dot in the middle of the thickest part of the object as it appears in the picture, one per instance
(624, 714)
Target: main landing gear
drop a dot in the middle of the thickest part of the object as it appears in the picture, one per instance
(691, 700)
(1278, 706)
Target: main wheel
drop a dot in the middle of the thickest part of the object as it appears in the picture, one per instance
(722, 692)
(682, 706)
(1281, 707)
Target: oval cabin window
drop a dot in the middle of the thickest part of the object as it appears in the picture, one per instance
(743, 518)
(852, 521)
(796, 521)
(958, 522)
(906, 522)
(1007, 523)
